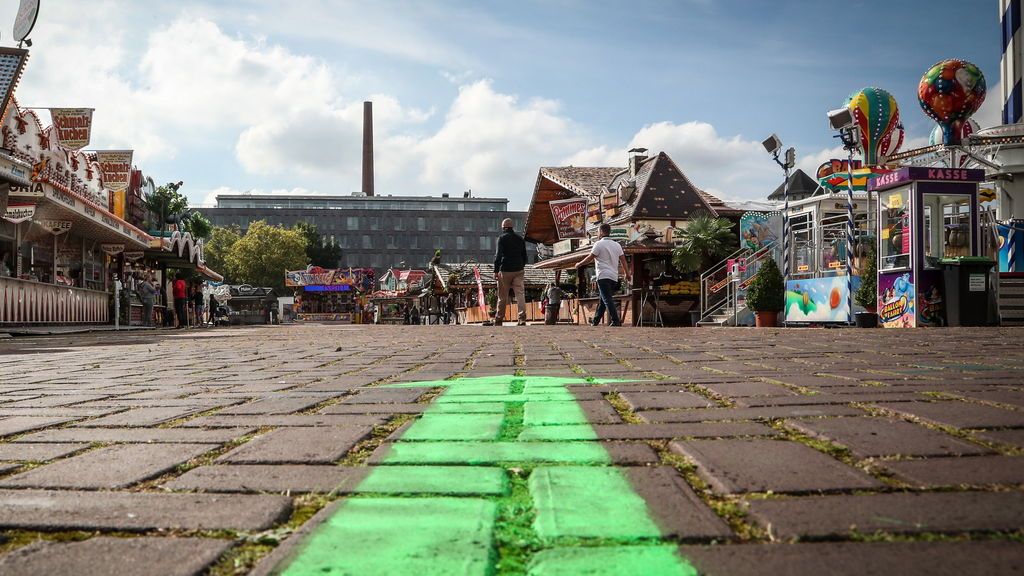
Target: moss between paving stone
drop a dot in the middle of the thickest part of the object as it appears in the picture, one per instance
(623, 408)
(359, 453)
(966, 435)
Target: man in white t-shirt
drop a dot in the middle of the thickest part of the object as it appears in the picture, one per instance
(609, 257)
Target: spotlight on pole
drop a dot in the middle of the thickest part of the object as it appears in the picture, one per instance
(841, 120)
(773, 145)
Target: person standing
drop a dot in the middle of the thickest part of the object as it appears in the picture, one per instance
(147, 293)
(608, 256)
(180, 290)
(509, 266)
(554, 296)
(198, 302)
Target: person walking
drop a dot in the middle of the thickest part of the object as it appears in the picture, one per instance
(608, 256)
(180, 290)
(198, 302)
(147, 293)
(509, 266)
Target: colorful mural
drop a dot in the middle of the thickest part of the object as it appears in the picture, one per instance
(819, 299)
(760, 229)
(897, 306)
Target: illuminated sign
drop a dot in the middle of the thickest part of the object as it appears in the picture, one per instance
(329, 288)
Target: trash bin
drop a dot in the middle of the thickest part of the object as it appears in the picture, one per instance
(967, 290)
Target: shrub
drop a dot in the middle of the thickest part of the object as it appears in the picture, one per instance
(867, 294)
(767, 292)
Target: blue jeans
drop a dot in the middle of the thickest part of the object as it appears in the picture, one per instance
(607, 289)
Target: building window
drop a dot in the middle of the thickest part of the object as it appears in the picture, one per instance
(374, 223)
(485, 242)
(421, 224)
(367, 243)
(352, 223)
(468, 224)
(446, 224)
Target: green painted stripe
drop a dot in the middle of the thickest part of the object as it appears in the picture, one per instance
(553, 414)
(497, 452)
(455, 427)
(449, 480)
(558, 433)
(564, 498)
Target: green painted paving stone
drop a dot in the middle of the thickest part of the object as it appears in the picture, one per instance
(422, 536)
(451, 480)
(455, 427)
(552, 396)
(479, 388)
(558, 433)
(564, 498)
(616, 561)
(495, 452)
(467, 408)
(553, 413)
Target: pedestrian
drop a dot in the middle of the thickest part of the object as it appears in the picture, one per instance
(509, 263)
(406, 315)
(453, 315)
(608, 256)
(180, 292)
(147, 293)
(554, 296)
(415, 316)
(198, 301)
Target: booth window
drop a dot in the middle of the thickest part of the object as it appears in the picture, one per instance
(947, 227)
(894, 220)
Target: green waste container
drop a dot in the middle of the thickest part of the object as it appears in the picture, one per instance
(967, 290)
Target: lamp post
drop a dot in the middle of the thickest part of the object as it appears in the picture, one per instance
(773, 145)
(842, 122)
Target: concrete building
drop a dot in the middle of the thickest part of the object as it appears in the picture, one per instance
(382, 232)
(1011, 62)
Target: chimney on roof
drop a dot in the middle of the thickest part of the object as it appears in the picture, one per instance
(368, 148)
(636, 158)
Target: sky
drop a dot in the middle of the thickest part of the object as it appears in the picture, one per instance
(266, 96)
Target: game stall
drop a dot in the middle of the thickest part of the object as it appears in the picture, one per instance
(331, 295)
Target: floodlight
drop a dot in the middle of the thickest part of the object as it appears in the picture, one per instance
(790, 158)
(772, 144)
(840, 118)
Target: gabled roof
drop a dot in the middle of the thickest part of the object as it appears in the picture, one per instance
(662, 191)
(800, 186)
(590, 182)
(462, 275)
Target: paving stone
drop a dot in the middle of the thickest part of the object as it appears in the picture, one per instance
(869, 437)
(394, 536)
(374, 409)
(748, 389)
(18, 424)
(137, 511)
(141, 417)
(55, 400)
(859, 559)
(813, 399)
(673, 505)
(455, 427)
(109, 467)
(386, 395)
(664, 400)
(37, 452)
(610, 561)
(273, 406)
(137, 435)
(285, 420)
(979, 470)
(267, 478)
(135, 556)
(321, 445)
(5, 468)
(717, 414)
(646, 431)
(898, 513)
(960, 414)
(736, 466)
(447, 480)
(1011, 437)
(477, 453)
(1011, 397)
(599, 411)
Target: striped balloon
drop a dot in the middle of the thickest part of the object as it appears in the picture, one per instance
(876, 113)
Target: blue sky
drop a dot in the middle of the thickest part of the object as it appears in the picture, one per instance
(266, 96)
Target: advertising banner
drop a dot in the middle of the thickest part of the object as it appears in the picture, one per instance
(18, 213)
(116, 166)
(112, 249)
(819, 299)
(760, 229)
(570, 217)
(897, 306)
(73, 127)
(480, 298)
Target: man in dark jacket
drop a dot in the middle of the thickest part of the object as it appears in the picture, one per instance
(509, 262)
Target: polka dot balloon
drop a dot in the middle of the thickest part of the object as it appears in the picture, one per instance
(950, 92)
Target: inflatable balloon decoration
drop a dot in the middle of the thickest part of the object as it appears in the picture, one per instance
(966, 129)
(950, 92)
(878, 118)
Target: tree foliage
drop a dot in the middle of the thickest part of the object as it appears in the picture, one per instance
(164, 202)
(198, 226)
(702, 243)
(261, 257)
(767, 292)
(319, 253)
(217, 248)
(867, 294)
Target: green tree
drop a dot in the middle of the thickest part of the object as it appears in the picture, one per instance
(217, 248)
(261, 257)
(319, 253)
(702, 243)
(197, 225)
(767, 291)
(165, 202)
(867, 294)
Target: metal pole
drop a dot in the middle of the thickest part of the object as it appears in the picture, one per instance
(849, 236)
(117, 304)
(786, 241)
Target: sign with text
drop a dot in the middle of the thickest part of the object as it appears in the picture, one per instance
(18, 213)
(112, 249)
(134, 255)
(116, 166)
(73, 127)
(570, 217)
(57, 227)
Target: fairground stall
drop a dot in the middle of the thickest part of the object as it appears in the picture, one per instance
(644, 203)
(247, 305)
(331, 295)
(472, 286)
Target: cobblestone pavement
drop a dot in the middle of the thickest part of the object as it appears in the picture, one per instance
(542, 450)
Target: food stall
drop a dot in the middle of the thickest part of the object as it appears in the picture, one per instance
(331, 295)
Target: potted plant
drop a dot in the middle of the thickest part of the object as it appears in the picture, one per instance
(766, 294)
(867, 294)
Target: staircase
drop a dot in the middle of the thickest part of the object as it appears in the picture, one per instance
(1011, 300)
(718, 292)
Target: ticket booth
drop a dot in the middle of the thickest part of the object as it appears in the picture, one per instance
(926, 217)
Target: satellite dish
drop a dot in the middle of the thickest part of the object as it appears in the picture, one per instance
(28, 11)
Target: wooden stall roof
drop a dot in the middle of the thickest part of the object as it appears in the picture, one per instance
(557, 183)
(461, 276)
(567, 261)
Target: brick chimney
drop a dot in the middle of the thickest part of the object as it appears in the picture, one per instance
(368, 148)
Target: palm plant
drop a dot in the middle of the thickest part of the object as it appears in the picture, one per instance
(702, 242)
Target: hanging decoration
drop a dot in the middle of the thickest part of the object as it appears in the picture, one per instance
(950, 92)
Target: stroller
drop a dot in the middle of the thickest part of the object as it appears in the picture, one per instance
(221, 317)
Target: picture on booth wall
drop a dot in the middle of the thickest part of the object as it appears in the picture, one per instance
(819, 299)
(897, 301)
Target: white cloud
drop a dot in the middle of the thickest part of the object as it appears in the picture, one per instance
(991, 112)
